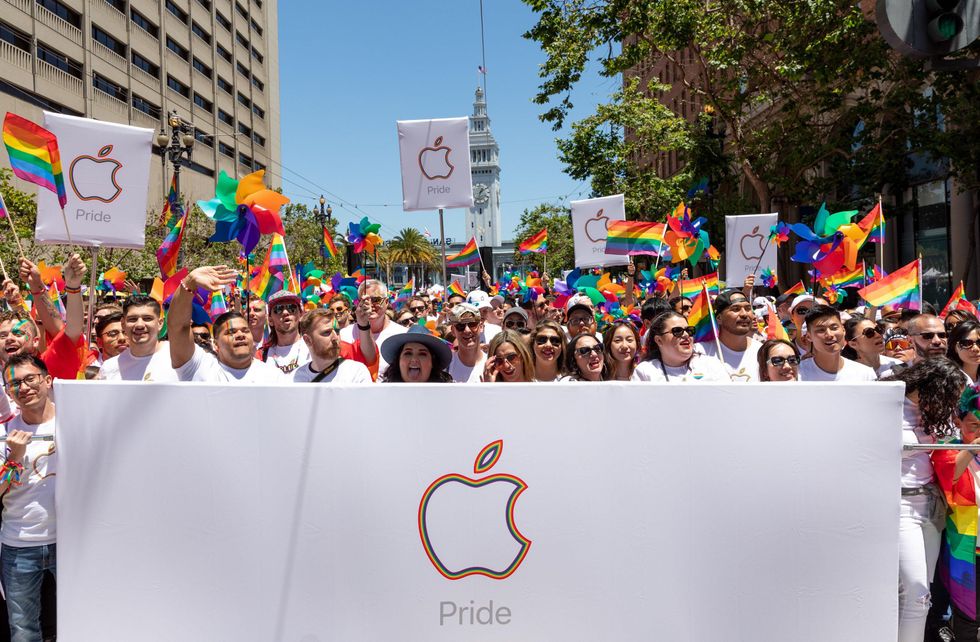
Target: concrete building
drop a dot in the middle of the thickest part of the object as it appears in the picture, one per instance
(214, 62)
(483, 219)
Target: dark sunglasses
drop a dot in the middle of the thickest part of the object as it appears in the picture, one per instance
(376, 300)
(929, 335)
(679, 331)
(417, 309)
(514, 325)
(779, 361)
(540, 341)
(472, 325)
(407, 322)
(802, 311)
(509, 358)
(868, 333)
(967, 344)
(284, 307)
(585, 351)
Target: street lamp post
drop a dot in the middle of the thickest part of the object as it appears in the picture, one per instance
(177, 148)
(323, 217)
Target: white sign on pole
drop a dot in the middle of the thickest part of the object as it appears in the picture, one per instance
(577, 528)
(746, 241)
(590, 220)
(435, 160)
(107, 178)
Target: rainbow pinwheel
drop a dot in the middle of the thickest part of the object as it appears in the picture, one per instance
(779, 233)
(685, 238)
(244, 210)
(51, 274)
(112, 279)
(364, 236)
(767, 278)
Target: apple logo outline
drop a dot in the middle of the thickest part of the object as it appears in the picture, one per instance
(103, 158)
(488, 456)
(758, 238)
(437, 147)
(595, 219)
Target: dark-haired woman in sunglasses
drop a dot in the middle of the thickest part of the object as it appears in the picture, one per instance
(964, 348)
(866, 345)
(547, 342)
(779, 360)
(585, 359)
(671, 355)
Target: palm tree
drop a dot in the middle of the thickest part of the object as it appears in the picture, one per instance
(412, 249)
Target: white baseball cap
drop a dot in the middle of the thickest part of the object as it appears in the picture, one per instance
(478, 299)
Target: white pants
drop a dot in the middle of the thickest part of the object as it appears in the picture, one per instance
(918, 551)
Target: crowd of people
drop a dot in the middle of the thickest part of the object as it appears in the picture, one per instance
(480, 338)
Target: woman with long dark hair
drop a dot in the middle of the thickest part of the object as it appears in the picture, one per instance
(547, 350)
(779, 360)
(964, 347)
(865, 343)
(416, 356)
(671, 356)
(585, 359)
(621, 342)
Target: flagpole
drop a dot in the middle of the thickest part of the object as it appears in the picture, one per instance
(10, 219)
(442, 234)
(881, 245)
(920, 282)
(714, 327)
(91, 292)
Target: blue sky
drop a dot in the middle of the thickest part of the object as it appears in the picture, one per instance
(350, 70)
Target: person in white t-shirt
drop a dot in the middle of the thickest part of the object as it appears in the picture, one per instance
(468, 357)
(109, 336)
(284, 348)
(865, 344)
(147, 358)
(671, 355)
(826, 343)
(233, 360)
(736, 325)
(372, 325)
(322, 337)
(258, 316)
(491, 323)
(28, 532)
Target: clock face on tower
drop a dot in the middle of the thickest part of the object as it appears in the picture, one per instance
(481, 193)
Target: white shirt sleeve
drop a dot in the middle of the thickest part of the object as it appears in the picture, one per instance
(187, 371)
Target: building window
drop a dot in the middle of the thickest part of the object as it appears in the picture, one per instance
(224, 53)
(111, 43)
(202, 69)
(201, 169)
(258, 139)
(258, 84)
(15, 37)
(258, 111)
(106, 86)
(59, 60)
(256, 165)
(227, 150)
(245, 161)
(179, 13)
(199, 31)
(143, 23)
(177, 48)
(244, 129)
(224, 85)
(241, 11)
(203, 103)
(205, 3)
(64, 12)
(118, 5)
(255, 26)
(243, 70)
(144, 64)
(257, 55)
(146, 107)
(223, 21)
(205, 139)
(242, 40)
(243, 99)
(226, 118)
(178, 86)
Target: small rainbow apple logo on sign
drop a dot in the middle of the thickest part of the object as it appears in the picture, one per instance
(434, 161)
(467, 525)
(94, 179)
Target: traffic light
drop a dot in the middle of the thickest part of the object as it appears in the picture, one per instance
(927, 28)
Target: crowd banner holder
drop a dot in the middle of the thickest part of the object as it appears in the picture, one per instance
(971, 447)
(442, 235)
(91, 291)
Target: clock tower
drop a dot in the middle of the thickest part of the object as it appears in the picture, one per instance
(483, 219)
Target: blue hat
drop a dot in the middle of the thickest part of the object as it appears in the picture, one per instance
(442, 354)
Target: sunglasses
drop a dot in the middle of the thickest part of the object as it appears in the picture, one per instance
(898, 344)
(929, 335)
(472, 325)
(802, 311)
(967, 344)
(284, 307)
(780, 361)
(554, 341)
(376, 300)
(868, 333)
(679, 331)
(515, 325)
(407, 322)
(509, 358)
(417, 309)
(585, 351)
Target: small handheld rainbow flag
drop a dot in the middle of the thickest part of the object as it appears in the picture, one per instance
(901, 288)
(797, 289)
(702, 317)
(632, 238)
(690, 287)
(34, 155)
(537, 244)
(958, 301)
(874, 224)
(169, 249)
(3, 208)
(775, 329)
(456, 289)
(467, 256)
(405, 292)
(329, 247)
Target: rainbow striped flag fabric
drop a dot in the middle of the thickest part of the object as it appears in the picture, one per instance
(899, 289)
(689, 288)
(774, 328)
(456, 289)
(631, 238)
(274, 274)
(34, 155)
(169, 250)
(957, 559)
(168, 216)
(402, 296)
(537, 244)
(467, 256)
(702, 317)
(3, 208)
(874, 224)
(797, 289)
(848, 278)
(329, 247)
(958, 301)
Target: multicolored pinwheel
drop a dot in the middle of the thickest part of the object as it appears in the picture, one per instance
(364, 236)
(767, 278)
(244, 210)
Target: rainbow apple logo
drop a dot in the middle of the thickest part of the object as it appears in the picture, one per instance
(596, 229)
(467, 525)
(434, 161)
(94, 179)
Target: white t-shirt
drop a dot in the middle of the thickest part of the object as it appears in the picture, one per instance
(489, 332)
(203, 366)
(886, 364)
(28, 509)
(379, 338)
(347, 372)
(851, 371)
(916, 464)
(347, 333)
(462, 373)
(699, 368)
(288, 358)
(156, 367)
(743, 366)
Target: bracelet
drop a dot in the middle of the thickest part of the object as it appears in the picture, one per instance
(38, 293)
(71, 290)
(184, 286)
(10, 472)
(365, 328)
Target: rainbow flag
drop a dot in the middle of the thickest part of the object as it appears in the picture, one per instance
(702, 317)
(456, 289)
(537, 244)
(874, 224)
(402, 296)
(329, 247)
(216, 304)
(635, 237)
(3, 208)
(774, 328)
(467, 256)
(169, 249)
(34, 155)
(848, 278)
(957, 559)
(900, 289)
(274, 274)
(690, 287)
(958, 302)
(797, 289)
(55, 297)
(876, 273)
(172, 198)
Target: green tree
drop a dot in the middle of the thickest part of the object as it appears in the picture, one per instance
(561, 249)
(409, 247)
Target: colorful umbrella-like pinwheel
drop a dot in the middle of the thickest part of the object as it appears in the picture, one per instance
(364, 236)
(244, 210)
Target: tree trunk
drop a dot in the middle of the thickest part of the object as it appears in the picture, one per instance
(759, 186)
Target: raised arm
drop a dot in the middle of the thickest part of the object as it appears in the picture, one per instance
(46, 315)
(179, 316)
(74, 315)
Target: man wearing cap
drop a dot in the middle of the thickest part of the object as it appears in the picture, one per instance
(468, 359)
(233, 360)
(516, 319)
(284, 349)
(537, 310)
(580, 316)
(322, 338)
(372, 326)
(146, 358)
(736, 325)
(798, 309)
(481, 301)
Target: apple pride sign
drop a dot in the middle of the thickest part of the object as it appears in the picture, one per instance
(107, 174)
(590, 218)
(435, 161)
(746, 242)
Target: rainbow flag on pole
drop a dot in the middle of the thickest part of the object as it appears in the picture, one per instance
(3, 208)
(797, 289)
(635, 237)
(537, 244)
(957, 559)
(901, 288)
(456, 289)
(958, 301)
(702, 317)
(689, 288)
(274, 273)
(169, 249)
(329, 247)
(34, 155)
(467, 256)
(874, 224)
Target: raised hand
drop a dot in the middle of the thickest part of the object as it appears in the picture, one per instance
(211, 277)
(74, 271)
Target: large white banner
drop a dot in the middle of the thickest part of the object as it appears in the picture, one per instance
(746, 242)
(590, 218)
(107, 177)
(435, 159)
(306, 512)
